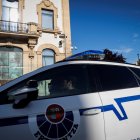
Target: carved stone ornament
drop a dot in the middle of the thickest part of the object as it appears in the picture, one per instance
(32, 42)
(31, 53)
(47, 3)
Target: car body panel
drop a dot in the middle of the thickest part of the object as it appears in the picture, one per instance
(97, 115)
(26, 118)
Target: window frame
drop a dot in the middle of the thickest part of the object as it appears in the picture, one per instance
(9, 11)
(9, 50)
(47, 15)
(44, 56)
(21, 5)
(47, 5)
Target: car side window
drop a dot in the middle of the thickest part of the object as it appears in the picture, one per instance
(56, 82)
(62, 81)
(115, 77)
(137, 72)
(92, 77)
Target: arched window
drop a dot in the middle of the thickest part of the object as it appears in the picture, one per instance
(11, 63)
(48, 57)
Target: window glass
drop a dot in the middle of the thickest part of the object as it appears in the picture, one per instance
(137, 72)
(5, 13)
(47, 19)
(9, 15)
(66, 80)
(14, 15)
(9, 11)
(92, 78)
(11, 63)
(58, 82)
(48, 57)
(115, 77)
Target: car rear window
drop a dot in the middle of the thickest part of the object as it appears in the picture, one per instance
(115, 77)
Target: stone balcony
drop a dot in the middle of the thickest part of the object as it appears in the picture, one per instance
(18, 30)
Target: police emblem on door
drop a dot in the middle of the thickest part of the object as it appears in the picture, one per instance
(55, 124)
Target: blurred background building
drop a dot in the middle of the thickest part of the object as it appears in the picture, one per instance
(33, 33)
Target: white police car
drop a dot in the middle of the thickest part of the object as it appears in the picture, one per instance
(104, 106)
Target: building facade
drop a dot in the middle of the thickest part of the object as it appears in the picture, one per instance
(33, 33)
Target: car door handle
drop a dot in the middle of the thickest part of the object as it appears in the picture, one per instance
(92, 112)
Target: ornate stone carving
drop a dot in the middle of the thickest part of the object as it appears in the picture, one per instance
(47, 3)
(32, 28)
(31, 43)
(31, 54)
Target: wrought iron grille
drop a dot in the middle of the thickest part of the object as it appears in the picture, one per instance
(9, 26)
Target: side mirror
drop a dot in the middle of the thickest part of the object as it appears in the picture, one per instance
(22, 97)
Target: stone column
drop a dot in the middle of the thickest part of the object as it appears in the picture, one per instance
(39, 59)
(20, 10)
(26, 66)
(66, 26)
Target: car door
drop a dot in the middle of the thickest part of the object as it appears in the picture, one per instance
(119, 93)
(58, 113)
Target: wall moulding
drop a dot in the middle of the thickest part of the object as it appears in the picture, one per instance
(48, 5)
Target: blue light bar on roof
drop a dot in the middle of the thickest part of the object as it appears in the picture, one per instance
(90, 54)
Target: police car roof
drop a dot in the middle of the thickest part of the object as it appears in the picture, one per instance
(61, 63)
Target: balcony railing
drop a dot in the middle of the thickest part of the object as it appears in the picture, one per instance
(8, 26)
